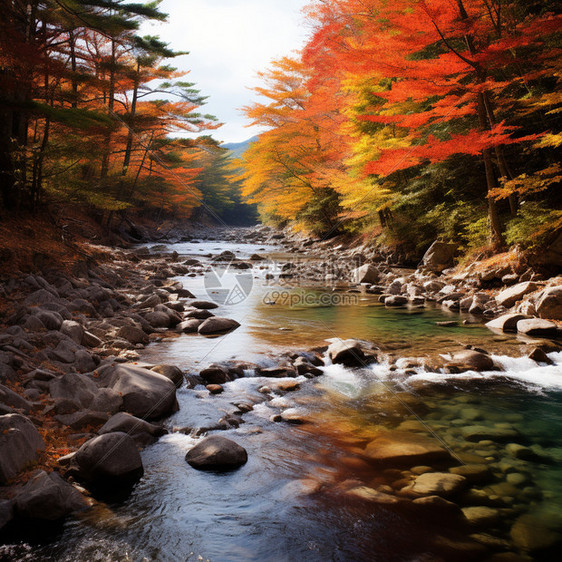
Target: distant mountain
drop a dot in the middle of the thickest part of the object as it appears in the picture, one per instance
(238, 148)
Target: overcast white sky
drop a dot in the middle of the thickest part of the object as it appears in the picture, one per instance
(228, 42)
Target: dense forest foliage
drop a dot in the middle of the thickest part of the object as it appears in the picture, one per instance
(411, 120)
(92, 114)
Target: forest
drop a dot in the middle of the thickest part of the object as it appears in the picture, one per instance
(401, 122)
(407, 121)
(94, 116)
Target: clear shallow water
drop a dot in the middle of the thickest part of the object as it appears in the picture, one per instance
(291, 501)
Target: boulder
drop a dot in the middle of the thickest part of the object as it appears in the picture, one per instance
(508, 297)
(158, 319)
(398, 448)
(439, 256)
(82, 419)
(395, 300)
(537, 327)
(175, 374)
(347, 352)
(73, 330)
(506, 322)
(133, 334)
(443, 484)
(143, 432)
(110, 460)
(204, 305)
(6, 512)
(199, 314)
(366, 274)
(217, 325)
(51, 320)
(10, 398)
(473, 360)
(145, 394)
(215, 374)
(106, 400)
(189, 326)
(216, 453)
(19, 444)
(75, 387)
(48, 497)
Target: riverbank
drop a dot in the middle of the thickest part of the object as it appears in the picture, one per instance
(71, 343)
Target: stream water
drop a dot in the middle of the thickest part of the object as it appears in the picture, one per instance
(291, 501)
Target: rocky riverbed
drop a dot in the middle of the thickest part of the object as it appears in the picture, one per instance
(77, 404)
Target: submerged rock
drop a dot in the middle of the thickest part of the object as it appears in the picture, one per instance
(404, 448)
(217, 453)
(442, 484)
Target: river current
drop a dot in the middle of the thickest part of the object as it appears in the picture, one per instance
(291, 501)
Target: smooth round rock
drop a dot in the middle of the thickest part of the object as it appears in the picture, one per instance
(217, 453)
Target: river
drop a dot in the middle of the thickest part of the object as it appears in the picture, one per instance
(291, 501)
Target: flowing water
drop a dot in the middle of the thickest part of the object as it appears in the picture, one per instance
(292, 500)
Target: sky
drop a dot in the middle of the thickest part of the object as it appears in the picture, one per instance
(228, 42)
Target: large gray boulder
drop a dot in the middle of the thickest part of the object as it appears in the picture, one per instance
(366, 274)
(145, 394)
(74, 387)
(19, 444)
(143, 432)
(217, 453)
(402, 448)
(549, 304)
(108, 461)
(439, 256)
(508, 297)
(217, 325)
(175, 374)
(347, 352)
(48, 497)
(13, 399)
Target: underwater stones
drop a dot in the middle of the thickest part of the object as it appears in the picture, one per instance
(481, 516)
(521, 452)
(476, 433)
(404, 448)
(437, 506)
(442, 484)
(372, 495)
(216, 453)
(476, 473)
(534, 533)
